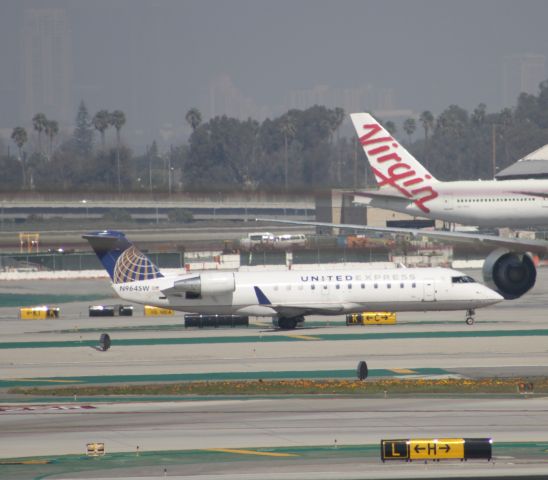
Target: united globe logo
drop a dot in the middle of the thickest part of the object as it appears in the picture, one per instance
(133, 266)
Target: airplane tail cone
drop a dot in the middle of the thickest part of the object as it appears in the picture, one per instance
(121, 259)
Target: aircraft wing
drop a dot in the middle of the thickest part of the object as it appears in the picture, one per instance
(521, 244)
(294, 310)
(297, 310)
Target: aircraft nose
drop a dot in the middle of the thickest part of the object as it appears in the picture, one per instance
(490, 295)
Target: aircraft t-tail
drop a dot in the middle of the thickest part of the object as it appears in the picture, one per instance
(287, 296)
(407, 186)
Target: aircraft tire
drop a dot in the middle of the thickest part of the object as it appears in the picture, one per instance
(287, 323)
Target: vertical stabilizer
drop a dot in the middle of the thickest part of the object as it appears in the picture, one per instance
(121, 259)
(395, 169)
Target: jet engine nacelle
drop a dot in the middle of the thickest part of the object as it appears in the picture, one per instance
(207, 284)
(509, 273)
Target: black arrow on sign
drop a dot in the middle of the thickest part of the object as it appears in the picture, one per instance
(446, 448)
(419, 449)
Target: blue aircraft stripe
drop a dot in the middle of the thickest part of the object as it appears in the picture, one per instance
(261, 297)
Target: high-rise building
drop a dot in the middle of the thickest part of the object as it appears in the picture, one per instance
(46, 65)
(226, 99)
(521, 73)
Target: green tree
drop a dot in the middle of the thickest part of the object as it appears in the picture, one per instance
(51, 130)
(20, 137)
(12, 174)
(220, 154)
(101, 122)
(409, 126)
(427, 120)
(193, 118)
(337, 118)
(39, 122)
(390, 127)
(83, 133)
(118, 119)
(479, 115)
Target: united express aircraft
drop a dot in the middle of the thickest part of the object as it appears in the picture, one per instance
(287, 296)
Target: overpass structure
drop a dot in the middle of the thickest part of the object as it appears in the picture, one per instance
(157, 208)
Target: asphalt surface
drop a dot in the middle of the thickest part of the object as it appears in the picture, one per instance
(508, 339)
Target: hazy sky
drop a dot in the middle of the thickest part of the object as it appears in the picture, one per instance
(155, 59)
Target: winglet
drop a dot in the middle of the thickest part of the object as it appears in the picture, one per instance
(261, 297)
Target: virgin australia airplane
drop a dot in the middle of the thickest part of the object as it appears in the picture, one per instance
(406, 186)
(287, 296)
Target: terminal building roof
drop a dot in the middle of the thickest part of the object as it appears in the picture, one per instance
(533, 165)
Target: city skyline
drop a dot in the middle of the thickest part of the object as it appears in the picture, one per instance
(156, 59)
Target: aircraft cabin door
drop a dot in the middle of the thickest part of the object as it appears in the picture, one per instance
(448, 202)
(429, 291)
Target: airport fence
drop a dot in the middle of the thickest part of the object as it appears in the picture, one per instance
(313, 256)
(75, 261)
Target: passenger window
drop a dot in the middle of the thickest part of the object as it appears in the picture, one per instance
(363, 285)
(376, 285)
(388, 285)
(349, 286)
(413, 285)
(401, 285)
(337, 286)
(312, 287)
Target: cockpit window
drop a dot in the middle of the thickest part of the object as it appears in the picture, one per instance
(463, 279)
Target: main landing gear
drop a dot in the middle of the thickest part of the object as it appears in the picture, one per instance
(470, 316)
(288, 323)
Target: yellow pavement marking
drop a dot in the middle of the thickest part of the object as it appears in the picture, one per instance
(251, 452)
(39, 380)
(303, 337)
(402, 370)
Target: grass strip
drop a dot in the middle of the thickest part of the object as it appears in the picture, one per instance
(300, 387)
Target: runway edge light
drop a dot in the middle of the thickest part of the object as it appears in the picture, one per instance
(437, 449)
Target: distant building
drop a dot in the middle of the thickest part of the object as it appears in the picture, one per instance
(226, 99)
(533, 165)
(46, 69)
(381, 101)
(522, 73)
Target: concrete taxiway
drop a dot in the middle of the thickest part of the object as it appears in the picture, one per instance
(508, 339)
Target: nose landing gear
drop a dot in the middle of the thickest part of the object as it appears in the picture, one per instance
(470, 313)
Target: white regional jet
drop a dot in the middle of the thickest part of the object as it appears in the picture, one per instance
(406, 186)
(287, 296)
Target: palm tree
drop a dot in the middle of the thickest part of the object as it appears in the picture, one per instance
(193, 118)
(427, 120)
(52, 129)
(117, 119)
(39, 122)
(101, 121)
(287, 128)
(20, 137)
(410, 125)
